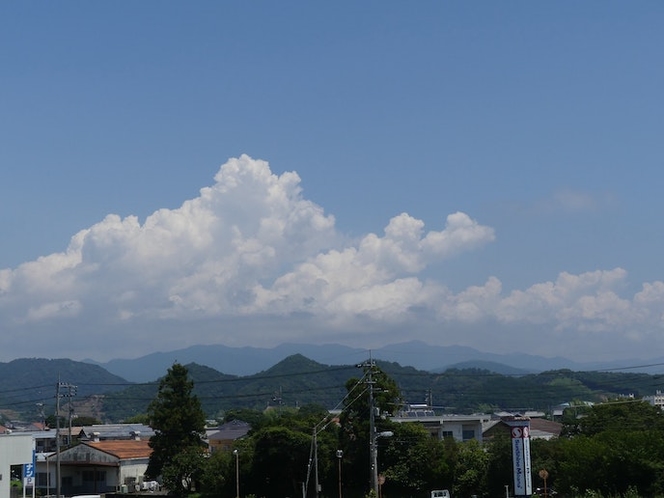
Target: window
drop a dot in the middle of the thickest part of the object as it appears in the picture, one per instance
(447, 434)
(91, 476)
(42, 479)
(468, 434)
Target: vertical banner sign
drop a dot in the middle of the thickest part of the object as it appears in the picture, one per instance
(523, 485)
(28, 474)
(526, 460)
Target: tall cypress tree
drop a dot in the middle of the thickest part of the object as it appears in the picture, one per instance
(177, 418)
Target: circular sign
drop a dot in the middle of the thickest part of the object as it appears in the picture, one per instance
(516, 432)
(525, 432)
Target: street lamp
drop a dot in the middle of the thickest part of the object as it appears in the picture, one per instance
(340, 455)
(237, 473)
(374, 459)
(43, 457)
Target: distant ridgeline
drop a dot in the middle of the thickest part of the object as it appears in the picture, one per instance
(297, 381)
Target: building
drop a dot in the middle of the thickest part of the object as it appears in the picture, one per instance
(116, 432)
(45, 448)
(460, 427)
(223, 437)
(539, 428)
(656, 400)
(95, 467)
(16, 450)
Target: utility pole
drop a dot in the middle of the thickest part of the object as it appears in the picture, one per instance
(71, 391)
(42, 415)
(278, 399)
(373, 455)
(340, 455)
(58, 493)
(316, 483)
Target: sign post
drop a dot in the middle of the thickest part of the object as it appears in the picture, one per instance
(520, 434)
(28, 476)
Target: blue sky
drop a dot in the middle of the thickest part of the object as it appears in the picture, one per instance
(513, 150)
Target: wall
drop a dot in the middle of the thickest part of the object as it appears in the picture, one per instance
(15, 449)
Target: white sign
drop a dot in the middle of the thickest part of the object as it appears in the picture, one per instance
(526, 460)
(523, 484)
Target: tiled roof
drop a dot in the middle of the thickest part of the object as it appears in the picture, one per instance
(549, 426)
(123, 449)
(230, 431)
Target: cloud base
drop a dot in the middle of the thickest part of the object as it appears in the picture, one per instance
(251, 261)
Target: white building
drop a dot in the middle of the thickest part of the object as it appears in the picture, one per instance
(15, 449)
(656, 400)
(460, 427)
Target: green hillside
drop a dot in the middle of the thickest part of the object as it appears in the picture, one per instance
(26, 383)
(298, 381)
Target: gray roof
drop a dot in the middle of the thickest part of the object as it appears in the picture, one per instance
(230, 431)
(117, 431)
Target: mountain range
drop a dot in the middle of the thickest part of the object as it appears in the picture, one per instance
(28, 386)
(419, 355)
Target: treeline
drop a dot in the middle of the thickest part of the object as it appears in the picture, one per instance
(613, 449)
(619, 453)
(298, 381)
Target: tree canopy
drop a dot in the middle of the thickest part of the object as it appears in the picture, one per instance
(179, 424)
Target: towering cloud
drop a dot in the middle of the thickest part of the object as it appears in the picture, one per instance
(252, 247)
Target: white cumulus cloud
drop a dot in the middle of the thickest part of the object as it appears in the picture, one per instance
(252, 247)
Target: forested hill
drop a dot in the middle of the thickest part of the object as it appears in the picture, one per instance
(297, 381)
(26, 384)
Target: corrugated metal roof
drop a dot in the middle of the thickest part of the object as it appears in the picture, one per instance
(118, 431)
(122, 449)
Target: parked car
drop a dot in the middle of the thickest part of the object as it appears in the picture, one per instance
(440, 493)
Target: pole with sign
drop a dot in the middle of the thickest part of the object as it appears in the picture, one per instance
(520, 433)
(28, 476)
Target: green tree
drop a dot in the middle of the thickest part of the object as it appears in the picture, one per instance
(621, 416)
(139, 418)
(179, 424)
(499, 464)
(547, 455)
(616, 447)
(354, 420)
(183, 472)
(470, 472)
(85, 420)
(255, 418)
(279, 461)
(218, 472)
(412, 461)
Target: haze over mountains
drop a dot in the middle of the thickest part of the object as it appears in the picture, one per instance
(465, 387)
(422, 356)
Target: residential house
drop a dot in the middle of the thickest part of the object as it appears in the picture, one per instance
(45, 447)
(94, 467)
(539, 428)
(223, 437)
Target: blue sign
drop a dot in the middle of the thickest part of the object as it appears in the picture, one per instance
(28, 470)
